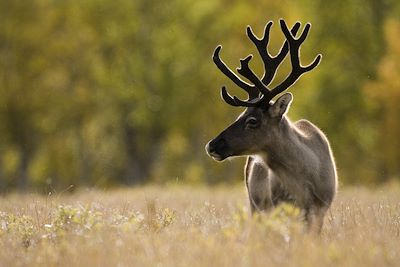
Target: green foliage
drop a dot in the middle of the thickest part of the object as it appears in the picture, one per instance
(101, 92)
(384, 95)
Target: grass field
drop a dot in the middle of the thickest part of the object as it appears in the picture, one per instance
(194, 226)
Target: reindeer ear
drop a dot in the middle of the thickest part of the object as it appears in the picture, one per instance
(281, 106)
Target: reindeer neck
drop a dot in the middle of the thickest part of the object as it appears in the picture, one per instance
(284, 150)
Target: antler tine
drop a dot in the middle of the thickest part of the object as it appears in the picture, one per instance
(251, 90)
(245, 70)
(234, 101)
(263, 42)
(294, 48)
(270, 63)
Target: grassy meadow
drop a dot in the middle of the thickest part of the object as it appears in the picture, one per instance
(194, 226)
(110, 94)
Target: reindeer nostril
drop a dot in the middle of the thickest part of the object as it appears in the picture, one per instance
(220, 144)
(216, 145)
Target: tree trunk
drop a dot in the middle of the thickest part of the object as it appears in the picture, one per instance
(23, 179)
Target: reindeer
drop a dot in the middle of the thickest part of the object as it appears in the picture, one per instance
(286, 161)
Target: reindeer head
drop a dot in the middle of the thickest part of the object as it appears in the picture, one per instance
(259, 124)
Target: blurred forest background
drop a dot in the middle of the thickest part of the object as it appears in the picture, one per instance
(124, 92)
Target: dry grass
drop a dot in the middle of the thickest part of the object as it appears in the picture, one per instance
(194, 226)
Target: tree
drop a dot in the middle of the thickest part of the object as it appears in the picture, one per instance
(384, 96)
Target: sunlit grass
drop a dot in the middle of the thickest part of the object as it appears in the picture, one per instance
(194, 226)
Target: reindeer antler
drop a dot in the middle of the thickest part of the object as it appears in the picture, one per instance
(258, 91)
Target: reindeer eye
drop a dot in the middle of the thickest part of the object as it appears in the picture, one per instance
(252, 122)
